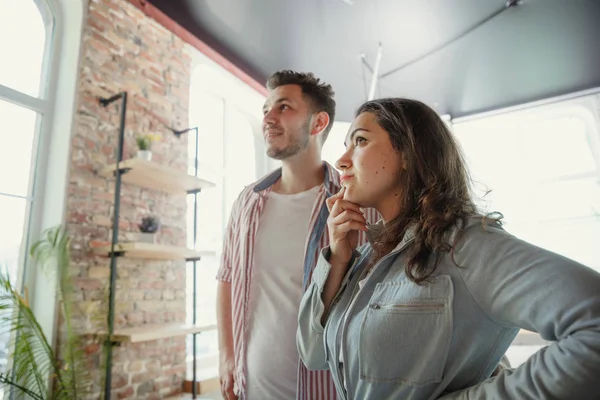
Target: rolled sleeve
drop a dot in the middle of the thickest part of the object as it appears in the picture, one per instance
(231, 242)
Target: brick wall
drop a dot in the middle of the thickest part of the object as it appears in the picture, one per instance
(123, 50)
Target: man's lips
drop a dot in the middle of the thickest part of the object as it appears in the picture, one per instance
(345, 178)
(271, 134)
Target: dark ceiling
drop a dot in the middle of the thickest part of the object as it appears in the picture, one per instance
(538, 49)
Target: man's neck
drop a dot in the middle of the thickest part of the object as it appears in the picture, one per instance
(300, 173)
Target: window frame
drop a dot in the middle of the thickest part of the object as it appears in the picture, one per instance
(42, 106)
(49, 184)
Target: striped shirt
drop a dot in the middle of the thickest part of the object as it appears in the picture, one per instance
(236, 268)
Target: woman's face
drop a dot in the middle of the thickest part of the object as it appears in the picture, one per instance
(371, 167)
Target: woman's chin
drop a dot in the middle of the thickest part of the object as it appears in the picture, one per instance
(350, 195)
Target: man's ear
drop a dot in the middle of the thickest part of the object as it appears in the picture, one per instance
(320, 121)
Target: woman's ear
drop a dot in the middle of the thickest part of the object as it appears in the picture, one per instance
(402, 161)
(320, 121)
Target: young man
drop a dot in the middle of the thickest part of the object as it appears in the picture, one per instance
(276, 230)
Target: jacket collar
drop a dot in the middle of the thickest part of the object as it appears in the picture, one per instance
(373, 230)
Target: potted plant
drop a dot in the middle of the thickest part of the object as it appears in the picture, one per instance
(144, 143)
(148, 228)
(39, 371)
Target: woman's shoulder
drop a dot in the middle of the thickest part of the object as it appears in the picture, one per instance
(478, 228)
(482, 239)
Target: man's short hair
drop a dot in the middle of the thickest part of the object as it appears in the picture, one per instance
(319, 94)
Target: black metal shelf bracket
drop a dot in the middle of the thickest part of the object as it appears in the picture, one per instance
(112, 343)
(122, 171)
(114, 253)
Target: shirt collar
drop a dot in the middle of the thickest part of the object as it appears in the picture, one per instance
(331, 182)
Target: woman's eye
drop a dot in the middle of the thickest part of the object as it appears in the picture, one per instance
(283, 107)
(358, 140)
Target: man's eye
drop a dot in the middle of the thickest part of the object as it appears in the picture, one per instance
(283, 107)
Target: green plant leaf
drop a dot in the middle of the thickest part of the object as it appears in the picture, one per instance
(33, 358)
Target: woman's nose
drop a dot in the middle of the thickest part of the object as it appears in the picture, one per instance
(344, 161)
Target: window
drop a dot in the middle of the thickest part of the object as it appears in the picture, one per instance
(542, 167)
(23, 20)
(334, 145)
(226, 113)
(23, 110)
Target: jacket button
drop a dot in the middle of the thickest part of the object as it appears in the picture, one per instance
(375, 306)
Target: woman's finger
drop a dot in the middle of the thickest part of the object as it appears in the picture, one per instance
(331, 200)
(340, 205)
(351, 225)
(349, 215)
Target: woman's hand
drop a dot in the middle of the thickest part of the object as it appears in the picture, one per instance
(344, 223)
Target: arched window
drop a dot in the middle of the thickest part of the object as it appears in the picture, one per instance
(26, 38)
(25, 33)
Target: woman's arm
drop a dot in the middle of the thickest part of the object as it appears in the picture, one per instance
(309, 337)
(519, 284)
(336, 275)
(344, 223)
(314, 309)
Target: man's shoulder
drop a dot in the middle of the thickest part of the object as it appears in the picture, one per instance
(252, 190)
(246, 195)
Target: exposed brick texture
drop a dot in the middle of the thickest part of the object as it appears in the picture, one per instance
(123, 50)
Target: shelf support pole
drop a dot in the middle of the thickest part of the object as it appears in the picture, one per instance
(115, 237)
(195, 261)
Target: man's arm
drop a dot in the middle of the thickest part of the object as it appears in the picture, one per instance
(224, 311)
(225, 328)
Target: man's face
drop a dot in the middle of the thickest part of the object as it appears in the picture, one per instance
(286, 122)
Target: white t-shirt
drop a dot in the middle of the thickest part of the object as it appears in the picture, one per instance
(275, 294)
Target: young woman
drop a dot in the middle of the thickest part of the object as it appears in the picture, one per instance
(430, 306)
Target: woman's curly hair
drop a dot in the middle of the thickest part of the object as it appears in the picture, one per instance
(435, 184)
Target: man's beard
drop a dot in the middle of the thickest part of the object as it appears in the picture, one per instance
(299, 143)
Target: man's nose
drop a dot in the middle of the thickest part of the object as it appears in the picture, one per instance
(269, 118)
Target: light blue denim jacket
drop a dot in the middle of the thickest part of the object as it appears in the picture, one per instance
(444, 338)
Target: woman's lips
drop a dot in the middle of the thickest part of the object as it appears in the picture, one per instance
(344, 178)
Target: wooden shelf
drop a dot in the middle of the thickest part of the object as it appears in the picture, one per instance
(152, 251)
(155, 176)
(146, 333)
(203, 386)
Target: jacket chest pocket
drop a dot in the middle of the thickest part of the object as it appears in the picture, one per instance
(406, 332)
